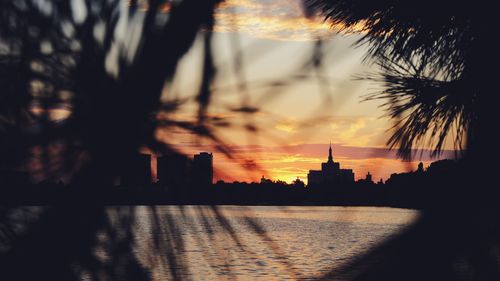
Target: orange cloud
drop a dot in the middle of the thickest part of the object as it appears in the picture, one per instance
(286, 126)
(53, 114)
(276, 20)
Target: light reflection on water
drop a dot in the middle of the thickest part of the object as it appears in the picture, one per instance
(256, 243)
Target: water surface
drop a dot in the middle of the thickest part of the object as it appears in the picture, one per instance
(253, 243)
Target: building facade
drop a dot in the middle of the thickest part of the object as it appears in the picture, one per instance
(173, 170)
(330, 173)
(203, 172)
(177, 170)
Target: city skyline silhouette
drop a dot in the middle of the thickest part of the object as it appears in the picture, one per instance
(268, 139)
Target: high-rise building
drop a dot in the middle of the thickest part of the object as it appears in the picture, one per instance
(368, 177)
(203, 169)
(173, 170)
(330, 173)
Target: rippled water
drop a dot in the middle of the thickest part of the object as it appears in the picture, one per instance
(255, 243)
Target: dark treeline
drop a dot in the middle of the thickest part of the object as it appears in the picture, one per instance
(409, 190)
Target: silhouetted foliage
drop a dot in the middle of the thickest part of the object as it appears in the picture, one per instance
(428, 54)
(437, 76)
(104, 64)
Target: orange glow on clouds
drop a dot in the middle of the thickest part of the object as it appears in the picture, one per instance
(53, 114)
(277, 20)
(287, 163)
(291, 134)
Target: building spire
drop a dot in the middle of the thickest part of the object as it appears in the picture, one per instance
(330, 157)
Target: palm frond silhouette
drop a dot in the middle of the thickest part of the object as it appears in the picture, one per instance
(424, 52)
(53, 56)
(436, 84)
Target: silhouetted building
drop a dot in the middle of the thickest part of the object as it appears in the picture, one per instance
(330, 173)
(136, 171)
(420, 168)
(203, 169)
(368, 180)
(412, 178)
(368, 177)
(173, 170)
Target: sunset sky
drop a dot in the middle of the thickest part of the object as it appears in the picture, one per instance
(300, 109)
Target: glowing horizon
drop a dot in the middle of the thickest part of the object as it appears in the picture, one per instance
(295, 106)
(290, 162)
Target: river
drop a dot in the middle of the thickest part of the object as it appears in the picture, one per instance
(251, 243)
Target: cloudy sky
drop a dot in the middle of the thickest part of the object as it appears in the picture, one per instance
(301, 109)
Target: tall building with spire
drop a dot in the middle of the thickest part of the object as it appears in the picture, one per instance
(330, 173)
